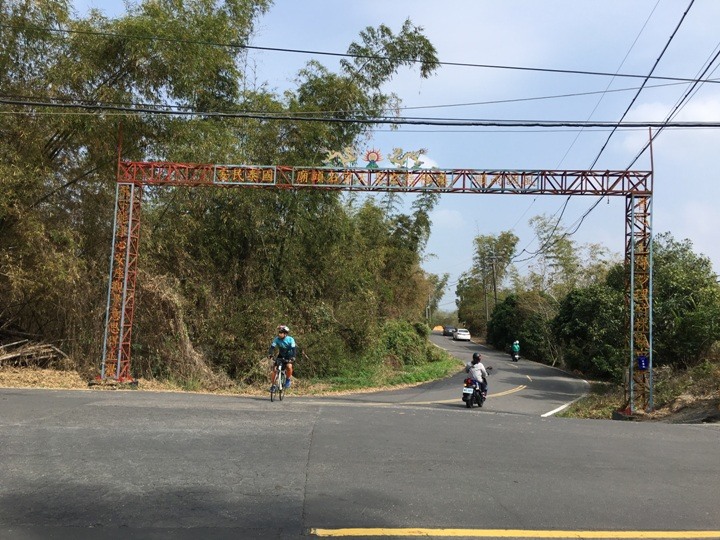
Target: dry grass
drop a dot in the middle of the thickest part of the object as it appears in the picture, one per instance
(681, 396)
(32, 377)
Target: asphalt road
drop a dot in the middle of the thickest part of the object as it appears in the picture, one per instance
(115, 464)
(525, 387)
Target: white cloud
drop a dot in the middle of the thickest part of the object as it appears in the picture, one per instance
(447, 220)
(706, 109)
(427, 162)
(700, 221)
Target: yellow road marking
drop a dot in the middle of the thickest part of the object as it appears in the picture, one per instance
(512, 533)
(511, 391)
(505, 393)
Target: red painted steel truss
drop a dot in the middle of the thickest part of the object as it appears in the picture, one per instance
(636, 186)
(443, 181)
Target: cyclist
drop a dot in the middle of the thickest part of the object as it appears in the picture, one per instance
(285, 345)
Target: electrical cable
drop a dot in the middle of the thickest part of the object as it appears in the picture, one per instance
(678, 107)
(577, 136)
(567, 232)
(602, 96)
(371, 121)
(415, 107)
(335, 54)
(662, 53)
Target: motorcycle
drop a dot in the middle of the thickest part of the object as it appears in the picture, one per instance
(515, 356)
(472, 393)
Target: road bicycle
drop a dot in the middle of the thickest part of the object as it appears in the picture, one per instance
(279, 376)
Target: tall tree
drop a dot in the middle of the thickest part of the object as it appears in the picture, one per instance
(686, 311)
(556, 266)
(591, 328)
(491, 262)
(218, 269)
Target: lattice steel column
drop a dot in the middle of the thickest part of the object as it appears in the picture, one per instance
(121, 290)
(638, 260)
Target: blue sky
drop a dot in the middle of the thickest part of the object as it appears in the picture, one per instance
(614, 36)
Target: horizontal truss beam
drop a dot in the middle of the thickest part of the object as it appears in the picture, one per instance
(563, 182)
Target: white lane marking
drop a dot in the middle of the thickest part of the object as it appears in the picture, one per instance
(554, 411)
(560, 408)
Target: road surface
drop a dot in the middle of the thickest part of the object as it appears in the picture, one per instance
(122, 464)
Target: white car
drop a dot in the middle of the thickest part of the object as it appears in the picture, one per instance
(461, 334)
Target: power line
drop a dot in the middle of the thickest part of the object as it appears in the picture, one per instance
(627, 110)
(657, 61)
(678, 107)
(542, 98)
(681, 103)
(498, 131)
(407, 108)
(567, 232)
(549, 240)
(428, 121)
(581, 130)
(602, 96)
(342, 55)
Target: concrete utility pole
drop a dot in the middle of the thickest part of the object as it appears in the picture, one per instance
(487, 308)
(493, 259)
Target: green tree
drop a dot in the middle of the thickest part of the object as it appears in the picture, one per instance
(478, 289)
(556, 266)
(591, 328)
(218, 269)
(592, 323)
(439, 284)
(526, 317)
(686, 310)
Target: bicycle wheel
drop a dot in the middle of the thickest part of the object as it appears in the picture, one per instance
(281, 389)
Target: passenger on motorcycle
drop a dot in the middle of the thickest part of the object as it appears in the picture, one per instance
(477, 372)
(516, 348)
(286, 347)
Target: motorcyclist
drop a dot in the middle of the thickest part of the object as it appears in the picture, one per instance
(516, 349)
(477, 372)
(286, 347)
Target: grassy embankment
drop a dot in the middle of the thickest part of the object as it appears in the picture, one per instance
(402, 356)
(692, 394)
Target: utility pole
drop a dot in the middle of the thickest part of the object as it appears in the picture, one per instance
(487, 308)
(493, 258)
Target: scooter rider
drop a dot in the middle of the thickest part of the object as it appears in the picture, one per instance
(477, 371)
(516, 349)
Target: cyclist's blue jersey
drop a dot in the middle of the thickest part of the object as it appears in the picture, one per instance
(285, 346)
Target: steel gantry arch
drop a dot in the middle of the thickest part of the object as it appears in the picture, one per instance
(635, 186)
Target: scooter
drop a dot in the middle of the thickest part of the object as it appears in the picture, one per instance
(473, 394)
(515, 356)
